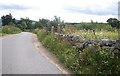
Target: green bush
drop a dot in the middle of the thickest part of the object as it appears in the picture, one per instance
(41, 34)
(0, 31)
(61, 48)
(100, 61)
(91, 61)
(10, 30)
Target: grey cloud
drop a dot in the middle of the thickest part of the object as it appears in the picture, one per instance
(13, 7)
(94, 10)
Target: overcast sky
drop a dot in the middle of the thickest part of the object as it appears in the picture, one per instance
(68, 10)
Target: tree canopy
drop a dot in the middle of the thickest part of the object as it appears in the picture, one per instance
(7, 19)
(113, 22)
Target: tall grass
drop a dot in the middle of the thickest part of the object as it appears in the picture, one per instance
(90, 34)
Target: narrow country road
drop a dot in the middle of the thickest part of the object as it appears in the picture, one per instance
(19, 56)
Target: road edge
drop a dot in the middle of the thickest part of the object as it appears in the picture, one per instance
(48, 55)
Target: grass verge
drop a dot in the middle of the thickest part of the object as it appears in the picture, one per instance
(91, 61)
(9, 30)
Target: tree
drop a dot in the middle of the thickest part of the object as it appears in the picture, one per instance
(38, 25)
(115, 23)
(22, 26)
(57, 23)
(11, 24)
(7, 19)
(28, 23)
(44, 22)
(19, 26)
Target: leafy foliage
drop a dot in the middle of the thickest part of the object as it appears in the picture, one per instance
(99, 61)
(22, 26)
(91, 61)
(25, 23)
(38, 25)
(10, 30)
(113, 22)
(7, 19)
(0, 31)
(41, 34)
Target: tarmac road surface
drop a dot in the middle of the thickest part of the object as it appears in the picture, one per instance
(19, 56)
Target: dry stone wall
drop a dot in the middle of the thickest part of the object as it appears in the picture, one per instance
(82, 43)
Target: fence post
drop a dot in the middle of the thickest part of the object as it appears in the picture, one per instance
(52, 29)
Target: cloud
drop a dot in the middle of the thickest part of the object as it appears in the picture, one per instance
(68, 10)
(100, 10)
(13, 7)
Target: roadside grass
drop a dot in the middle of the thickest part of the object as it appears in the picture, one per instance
(1, 34)
(0, 31)
(94, 60)
(6, 30)
(10, 30)
(90, 34)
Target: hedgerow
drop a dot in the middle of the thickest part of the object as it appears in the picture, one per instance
(95, 60)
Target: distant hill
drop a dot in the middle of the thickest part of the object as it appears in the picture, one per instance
(33, 22)
(17, 21)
